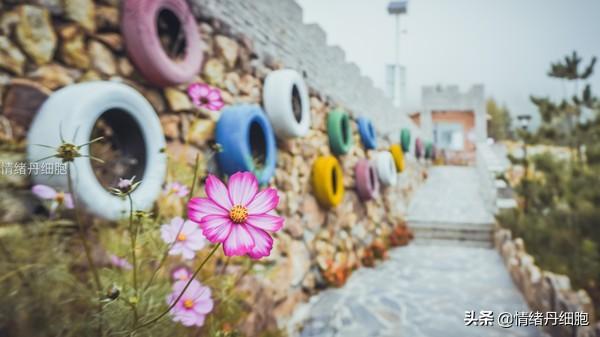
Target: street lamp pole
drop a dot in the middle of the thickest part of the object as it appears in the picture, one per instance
(524, 121)
(397, 8)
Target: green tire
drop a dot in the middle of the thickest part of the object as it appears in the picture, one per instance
(339, 132)
(405, 139)
(429, 150)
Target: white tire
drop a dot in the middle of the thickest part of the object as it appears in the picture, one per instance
(73, 112)
(281, 89)
(386, 168)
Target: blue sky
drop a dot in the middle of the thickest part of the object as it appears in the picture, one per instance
(505, 44)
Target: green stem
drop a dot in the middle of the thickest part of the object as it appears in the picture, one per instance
(161, 315)
(193, 187)
(164, 258)
(86, 246)
(132, 234)
(166, 253)
(11, 260)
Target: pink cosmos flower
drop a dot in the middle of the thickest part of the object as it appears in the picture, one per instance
(185, 236)
(239, 216)
(181, 273)
(205, 96)
(58, 198)
(119, 262)
(177, 189)
(193, 306)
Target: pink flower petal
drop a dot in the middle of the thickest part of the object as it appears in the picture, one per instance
(198, 90)
(264, 202)
(203, 307)
(242, 188)
(216, 228)
(239, 242)
(198, 208)
(196, 101)
(263, 243)
(189, 227)
(196, 240)
(265, 222)
(188, 318)
(176, 249)
(217, 191)
(186, 252)
(181, 273)
(215, 105)
(214, 95)
(43, 191)
(202, 293)
(169, 232)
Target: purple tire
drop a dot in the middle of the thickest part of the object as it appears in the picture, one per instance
(367, 182)
(139, 25)
(418, 148)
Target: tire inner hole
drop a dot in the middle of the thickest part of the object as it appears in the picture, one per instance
(258, 145)
(122, 148)
(296, 104)
(371, 130)
(334, 180)
(171, 35)
(372, 177)
(345, 130)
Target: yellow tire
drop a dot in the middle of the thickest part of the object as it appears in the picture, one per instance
(398, 156)
(327, 181)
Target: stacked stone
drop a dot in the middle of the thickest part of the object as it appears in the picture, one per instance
(49, 44)
(544, 291)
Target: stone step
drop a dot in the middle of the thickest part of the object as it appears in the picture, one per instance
(477, 235)
(420, 241)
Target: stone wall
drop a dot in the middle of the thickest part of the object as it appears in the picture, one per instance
(277, 30)
(49, 44)
(545, 291)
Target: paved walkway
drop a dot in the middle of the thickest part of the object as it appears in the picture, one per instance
(424, 290)
(450, 196)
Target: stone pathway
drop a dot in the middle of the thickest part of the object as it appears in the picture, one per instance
(450, 196)
(423, 290)
(450, 206)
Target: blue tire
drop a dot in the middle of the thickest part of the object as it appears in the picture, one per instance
(367, 133)
(405, 140)
(247, 142)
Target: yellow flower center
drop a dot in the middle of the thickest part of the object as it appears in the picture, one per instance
(181, 237)
(238, 214)
(60, 197)
(188, 304)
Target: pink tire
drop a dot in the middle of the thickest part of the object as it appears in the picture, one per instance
(418, 148)
(367, 182)
(140, 21)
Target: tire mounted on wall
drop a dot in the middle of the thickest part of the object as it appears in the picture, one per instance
(386, 168)
(405, 139)
(72, 113)
(339, 131)
(287, 104)
(367, 133)
(418, 148)
(248, 142)
(367, 181)
(327, 181)
(398, 156)
(141, 38)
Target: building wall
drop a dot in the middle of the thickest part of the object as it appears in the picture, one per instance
(465, 118)
(449, 98)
